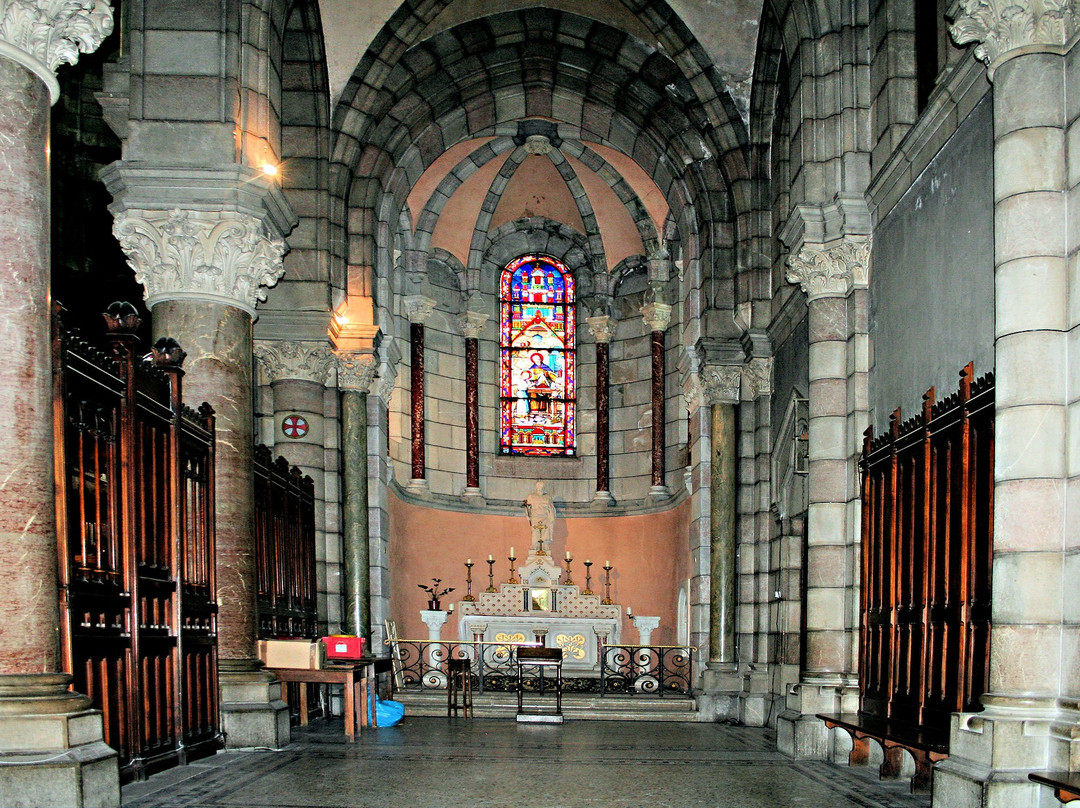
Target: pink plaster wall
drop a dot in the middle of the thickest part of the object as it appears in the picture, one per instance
(537, 189)
(650, 553)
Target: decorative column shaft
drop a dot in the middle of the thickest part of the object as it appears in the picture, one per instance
(356, 372)
(721, 385)
(657, 317)
(471, 325)
(418, 309)
(61, 758)
(603, 329)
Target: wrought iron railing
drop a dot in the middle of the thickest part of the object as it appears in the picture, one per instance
(626, 670)
(647, 670)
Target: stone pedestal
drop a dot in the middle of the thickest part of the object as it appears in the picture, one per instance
(253, 716)
(645, 626)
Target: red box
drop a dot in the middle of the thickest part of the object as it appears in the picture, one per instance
(344, 646)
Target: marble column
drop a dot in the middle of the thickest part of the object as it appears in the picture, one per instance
(645, 626)
(211, 314)
(418, 308)
(602, 328)
(61, 759)
(297, 371)
(1030, 720)
(356, 372)
(834, 277)
(472, 323)
(657, 318)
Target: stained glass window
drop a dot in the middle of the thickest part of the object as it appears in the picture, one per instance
(536, 358)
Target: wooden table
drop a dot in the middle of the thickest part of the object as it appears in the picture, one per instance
(358, 679)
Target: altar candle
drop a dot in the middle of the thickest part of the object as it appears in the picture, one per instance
(567, 555)
(607, 563)
(511, 551)
(450, 608)
(468, 561)
(629, 611)
(491, 557)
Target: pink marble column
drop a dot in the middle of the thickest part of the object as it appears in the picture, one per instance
(28, 597)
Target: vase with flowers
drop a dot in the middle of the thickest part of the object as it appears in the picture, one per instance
(435, 593)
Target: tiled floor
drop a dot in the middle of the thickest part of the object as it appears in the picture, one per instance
(435, 763)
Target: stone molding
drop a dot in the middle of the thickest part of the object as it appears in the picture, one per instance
(292, 359)
(657, 316)
(43, 34)
(222, 257)
(831, 271)
(418, 308)
(355, 370)
(602, 327)
(1002, 27)
(721, 384)
(757, 373)
(472, 323)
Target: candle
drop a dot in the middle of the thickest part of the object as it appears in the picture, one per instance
(491, 557)
(511, 551)
(587, 562)
(629, 611)
(468, 561)
(607, 563)
(451, 608)
(567, 555)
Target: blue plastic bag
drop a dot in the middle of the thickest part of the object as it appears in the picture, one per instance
(389, 713)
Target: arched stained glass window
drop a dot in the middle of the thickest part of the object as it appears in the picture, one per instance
(537, 358)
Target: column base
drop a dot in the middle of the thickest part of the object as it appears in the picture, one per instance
(252, 711)
(52, 748)
(731, 693)
(602, 499)
(991, 753)
(473, 496)
(799, 733)
(659, 493)
(417, 486)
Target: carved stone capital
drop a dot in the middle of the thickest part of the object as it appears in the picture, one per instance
(831, 271)
(1004, 26)
(601, 327)
(472, 323)
(693, 395)
(418, 308)
(221, 257)
(721, 384)
(306, 361)
(356, 371)
(43, 34)
(757, 373)
(657, 316)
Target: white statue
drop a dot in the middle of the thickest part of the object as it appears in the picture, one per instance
(541, 512)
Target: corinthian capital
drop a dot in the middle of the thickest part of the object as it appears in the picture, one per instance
(306, 361)
(472, 323)
(1003, 26)
(831, 271)
(602, 327)
(43, 34)
(418, 308)
(721, 384)
(221, 257)
(356, 371)
(657, 316)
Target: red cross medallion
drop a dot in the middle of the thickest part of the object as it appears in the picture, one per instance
(294, 426)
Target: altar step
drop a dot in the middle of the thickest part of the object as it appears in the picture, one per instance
(576, 707)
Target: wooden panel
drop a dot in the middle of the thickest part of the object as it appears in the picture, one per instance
(927, 538)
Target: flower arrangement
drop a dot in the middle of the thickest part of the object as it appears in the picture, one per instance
(435, 593)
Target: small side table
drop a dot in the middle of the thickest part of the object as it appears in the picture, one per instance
(541, 660)
(358, 679)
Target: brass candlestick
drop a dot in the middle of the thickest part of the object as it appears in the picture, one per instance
(540, 540)
(468, 582)
(513, 579)
(491, 575)
(607, 585)
(588, 578)
(569, 581)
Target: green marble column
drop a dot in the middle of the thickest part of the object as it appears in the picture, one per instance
(357, 583)
(723, 488)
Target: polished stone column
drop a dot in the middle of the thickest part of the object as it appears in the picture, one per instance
(472, 323)
(418, 308)
(657, 317)
(61, 758)
(211, 314)
(356, 372)
(1031, 720)
(602, 328)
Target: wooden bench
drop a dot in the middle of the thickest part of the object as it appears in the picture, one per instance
(1066, 785)
(926, 746)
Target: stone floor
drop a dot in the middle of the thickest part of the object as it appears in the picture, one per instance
(436, 763)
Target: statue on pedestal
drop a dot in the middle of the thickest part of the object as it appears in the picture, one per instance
(541, 512)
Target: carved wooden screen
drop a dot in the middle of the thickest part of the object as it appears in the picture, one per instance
(129, 592)
(927, 536)
(284, 548)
